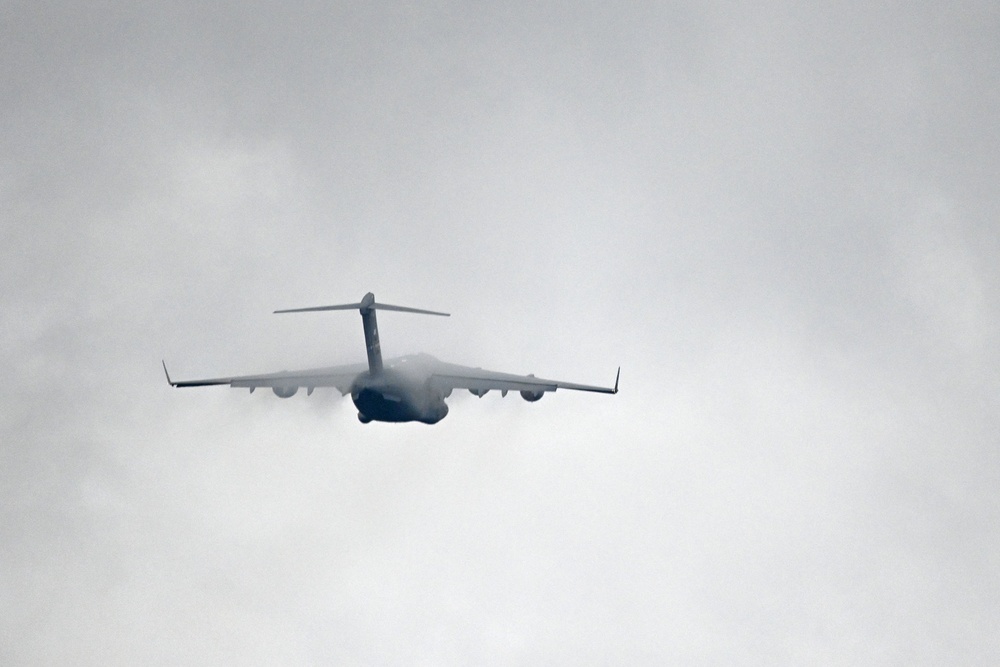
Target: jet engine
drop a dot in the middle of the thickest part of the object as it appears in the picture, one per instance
(435, 413)
(531, 396)
(284, 392)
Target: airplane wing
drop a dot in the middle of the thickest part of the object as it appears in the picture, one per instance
(340, 377)
(479, 381)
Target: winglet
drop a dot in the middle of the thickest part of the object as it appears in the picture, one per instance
(167, 373)
(617, 375)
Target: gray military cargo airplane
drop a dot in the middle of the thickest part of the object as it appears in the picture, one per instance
(409, 388)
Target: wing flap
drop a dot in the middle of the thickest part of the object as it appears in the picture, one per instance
(488, 383)
(458, 377)
(340, 377)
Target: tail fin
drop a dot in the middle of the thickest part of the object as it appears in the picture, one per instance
(367, 308)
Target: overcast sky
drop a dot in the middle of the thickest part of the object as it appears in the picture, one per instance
(781, 220)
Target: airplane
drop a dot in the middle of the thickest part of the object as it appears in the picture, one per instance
(404, 389)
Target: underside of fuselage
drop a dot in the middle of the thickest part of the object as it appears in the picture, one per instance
(392, 397)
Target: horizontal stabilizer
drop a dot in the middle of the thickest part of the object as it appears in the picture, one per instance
(367, 304)
(404, 309)
(346, 306)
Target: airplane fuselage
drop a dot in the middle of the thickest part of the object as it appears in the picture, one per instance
(392, 395)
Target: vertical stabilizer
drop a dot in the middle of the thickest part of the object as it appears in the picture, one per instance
(367, 308)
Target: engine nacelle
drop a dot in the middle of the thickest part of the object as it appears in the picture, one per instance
(284, 392)
(531, 396)
(435, 413)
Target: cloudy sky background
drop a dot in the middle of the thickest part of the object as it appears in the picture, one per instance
(780, 220)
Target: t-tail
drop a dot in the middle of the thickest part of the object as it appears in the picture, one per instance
(367, 307)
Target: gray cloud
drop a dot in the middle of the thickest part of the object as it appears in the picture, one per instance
(779, 221)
